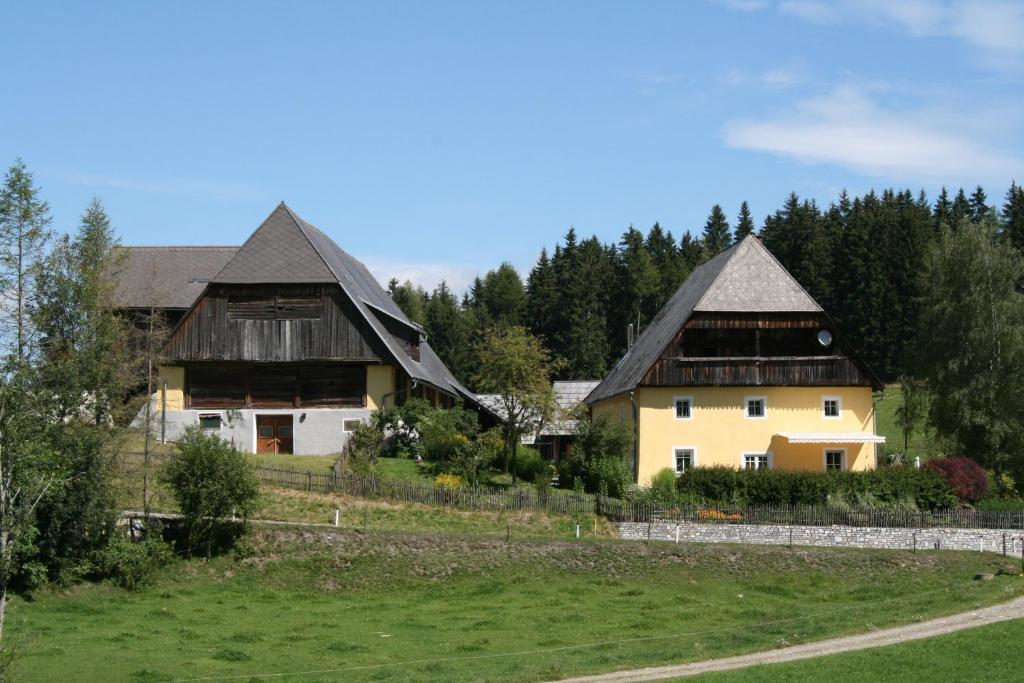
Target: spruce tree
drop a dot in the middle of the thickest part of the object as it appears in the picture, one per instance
(980, 210)
(691, 252)
(501, 293)
(410, 299)
(960, 211)
(943, 211)
(716, 235)
(744, 223)
(542, 299)
(446, 330)
(661, 245)
(636, 289)
(1012, 224)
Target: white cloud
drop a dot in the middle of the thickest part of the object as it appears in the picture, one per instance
(191, 187)
(847, 128)
(993, 27)
(426, 275)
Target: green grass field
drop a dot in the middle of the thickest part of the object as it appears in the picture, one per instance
(402, 607)
(922, 442)
(987, 653)
(292, 505)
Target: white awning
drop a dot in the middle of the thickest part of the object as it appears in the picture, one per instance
(831, 437)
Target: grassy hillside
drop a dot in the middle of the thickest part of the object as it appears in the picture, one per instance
(925, 661)
(416, 607)
(922, 442)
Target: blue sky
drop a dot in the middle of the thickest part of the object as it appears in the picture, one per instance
(439, 139)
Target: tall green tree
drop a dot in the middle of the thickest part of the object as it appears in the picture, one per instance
(82, 339)
(446, 330)
(942, 214)
(502, 294)
(24, 233)
(637, 289)
(971, 347)
(980, 210)
(409, 298)
(672, 270)
(960, 211)
(716, 234)
(542, 314)
(1012, 217)
(744, 223)
(516, 366)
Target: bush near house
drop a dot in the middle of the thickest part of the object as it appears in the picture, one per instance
(899, 487)
(965, 477)
(211, 480)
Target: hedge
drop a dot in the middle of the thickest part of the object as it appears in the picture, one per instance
(887, 487)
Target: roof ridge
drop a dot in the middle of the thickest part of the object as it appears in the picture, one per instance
(732, 252)
(301, 225)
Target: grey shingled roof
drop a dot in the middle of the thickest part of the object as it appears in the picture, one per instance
(165, 277)
(753, 281)
(286, 249)
(568, 395)
(743, 278)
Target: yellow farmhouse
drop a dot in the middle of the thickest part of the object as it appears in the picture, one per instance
(742, 368)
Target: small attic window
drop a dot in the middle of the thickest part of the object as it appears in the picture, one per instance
(274, 308)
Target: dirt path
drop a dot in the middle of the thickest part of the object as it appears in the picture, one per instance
(890, 636)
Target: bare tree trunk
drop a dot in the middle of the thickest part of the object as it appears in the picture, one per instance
(149, 417)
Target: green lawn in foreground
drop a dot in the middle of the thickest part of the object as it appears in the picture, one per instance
(441, 607)
(986, 653)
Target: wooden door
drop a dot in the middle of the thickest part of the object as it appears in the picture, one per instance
(274, 434)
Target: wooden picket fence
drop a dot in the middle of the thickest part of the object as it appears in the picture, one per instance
(370, 486)
(616, 510)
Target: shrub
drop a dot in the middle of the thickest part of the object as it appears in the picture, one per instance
(965, 477)
(444, 432)
(472, 457)
(132, 563)
(75, 519)
(599, 456)
(1001, 504)
(663, 486)
(210, 480)
(529, 463)
(900, 487)
(447, 480)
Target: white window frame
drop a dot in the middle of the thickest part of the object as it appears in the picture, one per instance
(767, 454)
(839, 407)
(210, 413)
(693, 457)
(350, 419)
(824, 458)
(675, 402)
(764, 407)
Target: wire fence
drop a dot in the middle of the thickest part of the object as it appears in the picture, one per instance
(808, 515)
(579, 504)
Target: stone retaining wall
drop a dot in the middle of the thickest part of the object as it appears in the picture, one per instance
(840, 536)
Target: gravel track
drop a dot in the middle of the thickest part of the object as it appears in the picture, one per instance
(890, 636)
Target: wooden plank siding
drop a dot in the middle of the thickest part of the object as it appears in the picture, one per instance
(682, 364)
(209, 333)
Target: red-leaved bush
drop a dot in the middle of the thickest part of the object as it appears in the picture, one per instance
(966, 477)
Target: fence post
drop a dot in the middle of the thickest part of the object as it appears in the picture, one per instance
(337, 516)
(508, 533)
(309, 480)
(1004, 544)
